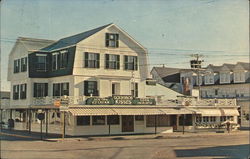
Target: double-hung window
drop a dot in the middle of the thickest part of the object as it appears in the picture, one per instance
(92, 60)
(134, 90)
(60, 89)
(41, 62)
(17, 66)
(90, 88)
(112, 40)
(112, 61)
(15, 92)
(40, 90)
(23, 88)
(64, 59)
(130, 62)
(55, 61)
(24, 64)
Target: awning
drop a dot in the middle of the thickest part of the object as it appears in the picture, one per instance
(177, 111)
(210, 112)
(138, 111)
(219, 112)
(229, 112)
(91, 111)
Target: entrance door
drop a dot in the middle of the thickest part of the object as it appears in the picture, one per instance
(128, 123)
(173, 121)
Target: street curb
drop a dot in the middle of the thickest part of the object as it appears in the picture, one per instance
(152, 137)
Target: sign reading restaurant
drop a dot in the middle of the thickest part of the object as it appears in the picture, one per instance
(120, 100)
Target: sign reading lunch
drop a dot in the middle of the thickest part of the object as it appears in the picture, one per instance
(120, 100)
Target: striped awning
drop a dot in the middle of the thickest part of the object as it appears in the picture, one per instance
(138, 111)
(91, 111)
(219, 112)
(178, 111)
(230, 112)
(80, 111)
(210, 112)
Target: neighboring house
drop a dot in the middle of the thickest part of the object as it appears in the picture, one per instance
(168, 77)
(161, 93)
(225, 81)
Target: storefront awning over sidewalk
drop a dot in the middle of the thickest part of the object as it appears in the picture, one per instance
(91, 111)
(138, 111)
(128, 111)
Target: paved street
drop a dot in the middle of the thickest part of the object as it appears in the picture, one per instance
(189, 145)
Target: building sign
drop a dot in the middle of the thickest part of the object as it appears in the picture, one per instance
(123, 100)
(120, 100)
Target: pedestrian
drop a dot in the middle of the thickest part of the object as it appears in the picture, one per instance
(228, 126)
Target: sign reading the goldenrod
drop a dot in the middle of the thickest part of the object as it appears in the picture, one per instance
(120, 100)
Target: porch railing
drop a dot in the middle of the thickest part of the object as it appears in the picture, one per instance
(80, 100)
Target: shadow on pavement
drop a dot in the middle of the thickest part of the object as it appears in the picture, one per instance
(234, 151)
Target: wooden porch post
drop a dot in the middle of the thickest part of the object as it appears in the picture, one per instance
(46, 122)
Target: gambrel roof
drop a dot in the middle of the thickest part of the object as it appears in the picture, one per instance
(74, 39)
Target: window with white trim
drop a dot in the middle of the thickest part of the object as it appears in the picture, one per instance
(130, 62)
(17, 66)
(23, 88)
(112, 61)
(24, 62)
(112, 40)
(92, 60)
(41, 62)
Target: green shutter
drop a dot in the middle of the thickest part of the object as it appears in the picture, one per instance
(98, 60)
(34, 89)
(118, 62)
(126, 62)
(135, 63)
(86, 57)
(117, 40)
(46, 89)
(107, 60)
(86, 88)
(107, 40)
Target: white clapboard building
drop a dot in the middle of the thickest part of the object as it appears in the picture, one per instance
(94, 83)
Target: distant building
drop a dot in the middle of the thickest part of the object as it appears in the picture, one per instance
(168, 77)
(225, 81)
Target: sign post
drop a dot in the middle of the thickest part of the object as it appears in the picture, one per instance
(40, 116)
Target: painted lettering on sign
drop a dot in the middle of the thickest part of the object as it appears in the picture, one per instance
(120, 100)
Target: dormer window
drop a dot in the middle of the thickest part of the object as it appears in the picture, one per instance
(112, 40)
(41, 64)
(209, 78)
(224, 77)
(239, 76)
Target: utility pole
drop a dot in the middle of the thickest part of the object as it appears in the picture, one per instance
(196, 65)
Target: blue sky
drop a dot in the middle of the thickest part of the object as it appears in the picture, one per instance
(170, 29)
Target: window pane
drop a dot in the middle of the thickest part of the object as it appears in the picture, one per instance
(83, 120)
(113, 119)
(98, 120)
(139, 118)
